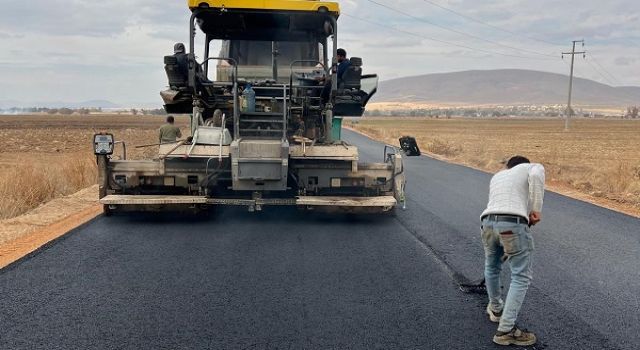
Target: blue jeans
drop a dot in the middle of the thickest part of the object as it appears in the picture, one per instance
(506, 241)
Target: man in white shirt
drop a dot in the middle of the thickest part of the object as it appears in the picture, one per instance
(515, 204)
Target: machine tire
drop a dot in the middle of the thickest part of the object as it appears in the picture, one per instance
(106, 211)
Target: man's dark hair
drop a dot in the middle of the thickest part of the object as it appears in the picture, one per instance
(517, 160)
(341, 52)
(170, 119)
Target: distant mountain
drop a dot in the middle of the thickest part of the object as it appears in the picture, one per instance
(5, 104)
(505, 86)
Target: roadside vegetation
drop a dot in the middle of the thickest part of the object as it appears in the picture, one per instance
(36, 181)
(598, 158)
(47, 156)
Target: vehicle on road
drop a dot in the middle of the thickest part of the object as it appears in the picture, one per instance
(265, 128)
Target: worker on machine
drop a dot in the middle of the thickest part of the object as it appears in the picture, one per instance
(179, 52)
(169, 133)
(216, 119)
(343, 65)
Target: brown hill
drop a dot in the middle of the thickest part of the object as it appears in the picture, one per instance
(505, 86)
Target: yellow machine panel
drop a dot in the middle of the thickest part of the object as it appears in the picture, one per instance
(277, 5)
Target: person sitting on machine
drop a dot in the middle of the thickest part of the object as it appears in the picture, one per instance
(179, 52)
(343, 64)
(215, 120)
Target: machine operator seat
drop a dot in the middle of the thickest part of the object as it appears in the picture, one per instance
(176, 74)
(349, 100)
(352, 76)
(178, 98)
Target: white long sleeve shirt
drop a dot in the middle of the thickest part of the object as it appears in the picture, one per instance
(516, 191)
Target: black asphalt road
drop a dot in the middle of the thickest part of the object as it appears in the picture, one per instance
(282, 279)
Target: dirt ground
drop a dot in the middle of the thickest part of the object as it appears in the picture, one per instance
(49, 159)
(46, 138)
(597, 160)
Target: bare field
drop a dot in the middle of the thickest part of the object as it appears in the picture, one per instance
(43, 157)
(598, 159)
(395, 106)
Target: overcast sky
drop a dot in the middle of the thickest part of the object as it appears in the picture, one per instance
(76, 50)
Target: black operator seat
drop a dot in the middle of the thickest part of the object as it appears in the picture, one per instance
(352, 77)
(175, 73)
(350, 99)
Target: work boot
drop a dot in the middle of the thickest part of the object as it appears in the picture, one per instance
(493, 316)
(515, 337)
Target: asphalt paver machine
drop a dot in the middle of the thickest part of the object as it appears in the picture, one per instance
(265, 119)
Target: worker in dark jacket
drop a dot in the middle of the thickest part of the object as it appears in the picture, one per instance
(180, 54)
(343, 65)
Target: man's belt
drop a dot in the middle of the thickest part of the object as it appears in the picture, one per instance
(517, 219)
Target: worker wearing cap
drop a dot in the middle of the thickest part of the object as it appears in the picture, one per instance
(179, 52)
(169, 133)
(515, 204)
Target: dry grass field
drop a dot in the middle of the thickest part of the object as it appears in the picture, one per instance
(43, 157)
(597, 158)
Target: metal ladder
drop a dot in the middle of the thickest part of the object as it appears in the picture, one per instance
(265, 125)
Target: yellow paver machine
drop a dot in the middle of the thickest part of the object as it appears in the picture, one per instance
(266, 119)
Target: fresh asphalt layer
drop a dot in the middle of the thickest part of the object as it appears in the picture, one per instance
(284, 279)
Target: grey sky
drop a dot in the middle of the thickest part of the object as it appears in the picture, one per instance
(75, 50)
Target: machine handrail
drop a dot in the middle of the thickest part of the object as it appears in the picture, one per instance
(236, 112)
(302, 61)
(324, 68)
(233, 61)
(124, 148)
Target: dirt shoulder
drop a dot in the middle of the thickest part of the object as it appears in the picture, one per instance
(24, 234)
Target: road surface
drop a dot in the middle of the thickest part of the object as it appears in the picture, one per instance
(282, 279)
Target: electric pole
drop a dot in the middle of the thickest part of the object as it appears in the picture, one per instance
(572, 53)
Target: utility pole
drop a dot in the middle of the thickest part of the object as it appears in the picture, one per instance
(572, 53)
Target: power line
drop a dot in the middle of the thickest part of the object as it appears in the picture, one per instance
(601, 67)
(490, 25)
(600, 73)
(581, 74)
(621, 91)
(457, 31)
(439, 40)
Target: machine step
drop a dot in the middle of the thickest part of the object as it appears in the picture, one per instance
(307, 201)
(151, 200)
(261, 114)
(379, 201)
